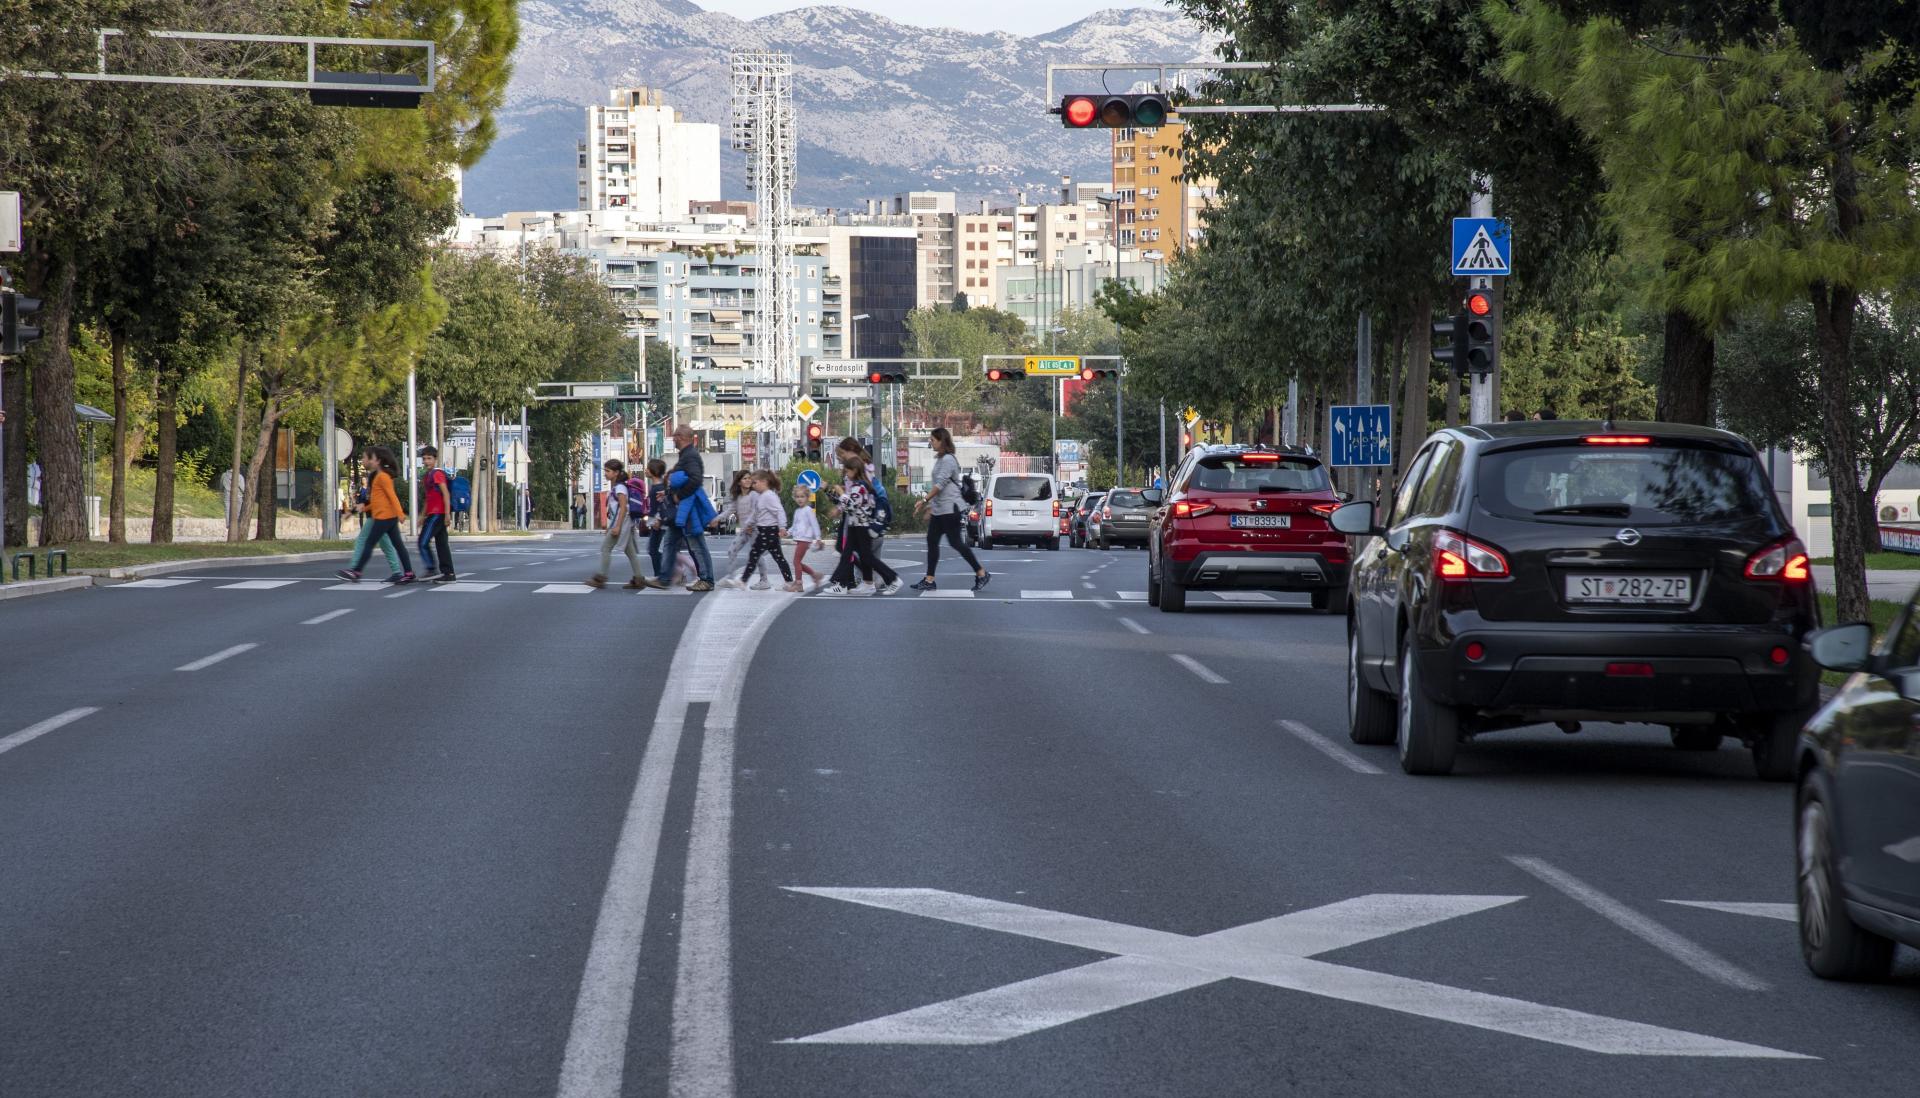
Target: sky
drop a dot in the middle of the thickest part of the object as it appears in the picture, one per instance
(1018, 16)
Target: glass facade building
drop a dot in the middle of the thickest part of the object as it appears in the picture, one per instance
(882, 277)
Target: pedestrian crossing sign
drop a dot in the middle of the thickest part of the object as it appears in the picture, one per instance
(1482, 246)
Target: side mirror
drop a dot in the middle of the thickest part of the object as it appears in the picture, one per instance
(1354, 518)
(1840, 647)
(1908, 682)
(1153, 495)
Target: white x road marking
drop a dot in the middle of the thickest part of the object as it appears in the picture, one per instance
(1152, 963)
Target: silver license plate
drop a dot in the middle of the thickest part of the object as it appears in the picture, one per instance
(1023, 514)
(1601, 589)
(1262, 522)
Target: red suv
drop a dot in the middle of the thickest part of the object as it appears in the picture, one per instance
(1246, 518)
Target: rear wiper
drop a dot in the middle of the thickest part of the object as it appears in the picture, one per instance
(1616, 510)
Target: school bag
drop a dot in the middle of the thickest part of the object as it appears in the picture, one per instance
(462, 494)
(882, 508)
(636, 502)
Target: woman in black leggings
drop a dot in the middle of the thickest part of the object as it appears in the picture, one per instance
(943, 505)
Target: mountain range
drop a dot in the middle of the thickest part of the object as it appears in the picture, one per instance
(882, 107)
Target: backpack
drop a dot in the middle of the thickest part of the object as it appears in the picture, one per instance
(462, 494)
(882, 509)
(969, 492)
(636, 501)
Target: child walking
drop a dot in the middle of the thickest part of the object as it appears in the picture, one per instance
(858, 507)
(624, 514)
(768, 520)
(806, 530)
(384, 506)
(366, 537)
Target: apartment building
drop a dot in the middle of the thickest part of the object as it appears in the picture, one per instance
(983, 243)
(639, 155)
(1038, 294)
(1157, 211)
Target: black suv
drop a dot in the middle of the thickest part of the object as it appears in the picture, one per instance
(1563, 571)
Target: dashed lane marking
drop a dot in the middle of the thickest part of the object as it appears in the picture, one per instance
(403, 592)
(466, 587)
(35, 731)
(1330, 749)
(1132, 596)
(256, 585)
(1205, 673)
(1135, 626)
(224, 654)
(152, 584)
(563, 589)
(1695, 957)
(947, 593)
(1243, 596)
(356, 587)
(327, 617)
(1046, 594)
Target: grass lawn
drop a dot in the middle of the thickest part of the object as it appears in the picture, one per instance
(1894, 562)
(99, 554)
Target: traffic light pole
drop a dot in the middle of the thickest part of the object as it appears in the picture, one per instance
(1483, 401)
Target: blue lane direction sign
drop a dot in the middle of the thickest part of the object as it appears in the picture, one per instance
(1362, 435)
(1482, 246)
(810, 480)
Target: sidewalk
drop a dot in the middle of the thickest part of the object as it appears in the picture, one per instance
(1893, 585)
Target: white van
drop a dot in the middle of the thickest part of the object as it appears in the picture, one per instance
(1020, 507)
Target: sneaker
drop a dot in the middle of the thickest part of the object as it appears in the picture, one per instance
(792, 586)
(404, 579)
(761, 584)
(596, 582)
(730, 583)
(349, 575)
(636, 584)
(703, 586)
(980, 580)
(446, 577)
(656, 584)
(395, 578)
(890, 588)
(834, 589)
(925, 585)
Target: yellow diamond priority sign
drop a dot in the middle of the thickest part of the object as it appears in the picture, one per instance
(805, 407)
(1053, 365)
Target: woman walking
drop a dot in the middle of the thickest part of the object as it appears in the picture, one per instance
(858, 506)
(943, 505)
(384, 506)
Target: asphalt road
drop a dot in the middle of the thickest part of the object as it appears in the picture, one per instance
(525, 840)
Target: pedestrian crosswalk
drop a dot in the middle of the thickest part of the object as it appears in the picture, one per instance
(1001, 591)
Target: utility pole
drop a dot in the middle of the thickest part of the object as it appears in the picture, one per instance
(1163, 436)
(413, 445)
(330, 482)
(1485, 396)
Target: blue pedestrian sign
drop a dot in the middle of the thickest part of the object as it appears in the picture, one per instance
(1362, 435)
(810, 480)
(1482, 246)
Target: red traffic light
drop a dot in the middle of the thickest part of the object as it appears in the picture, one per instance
(1079, 111)
(993, 375)
(814, 432)
(1479, 304)
(875, 377)
(1086, 373)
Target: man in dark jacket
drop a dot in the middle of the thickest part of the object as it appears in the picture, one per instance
(695, 472)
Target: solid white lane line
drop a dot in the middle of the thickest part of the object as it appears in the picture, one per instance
(1786, 913)
(1695, 957)
(1206, 673)
(1135, 626)
(327, 617)
(1330, 749)
(35, 731)
(224, 654)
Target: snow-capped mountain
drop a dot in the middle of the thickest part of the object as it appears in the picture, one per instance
(882, 107)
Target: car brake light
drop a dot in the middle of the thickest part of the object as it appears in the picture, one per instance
(1783, 560)
(1259, 459)
(1629, 670)
(1618, 440)
(1779, 656)
(988, 509)
(1324, 510)
(1184, 509)
(1456, 558)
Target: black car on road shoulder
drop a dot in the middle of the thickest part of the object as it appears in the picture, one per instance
(1858, 810)
(1560, 571)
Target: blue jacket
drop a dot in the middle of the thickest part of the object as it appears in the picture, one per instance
(696, 510)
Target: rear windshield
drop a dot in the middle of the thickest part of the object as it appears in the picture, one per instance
(1126, 499)
(1092, 501)
(1230, 473)
(1644, 485)
(1022, 488)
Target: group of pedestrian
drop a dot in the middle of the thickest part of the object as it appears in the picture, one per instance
(381, 505)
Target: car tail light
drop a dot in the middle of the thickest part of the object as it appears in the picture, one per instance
(1779, 656)
(987, 509)
(1457, 558)
(1783, 560)
(1618, 440)
(1629, 670)
(1324, 510)
(1056, 508)
(1476, 651)
(1186, 509)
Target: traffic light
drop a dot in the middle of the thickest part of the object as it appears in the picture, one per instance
(886, 373)
(1005, 373)
(1483, 340)
(406, 93)
(1113, 112)
(1088, 373)
(15, 333)
(814, 434)
(1450, 343)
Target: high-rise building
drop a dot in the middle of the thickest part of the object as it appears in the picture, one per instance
(983, 241)
(1158, 212)
(639, 155)
(932, 215)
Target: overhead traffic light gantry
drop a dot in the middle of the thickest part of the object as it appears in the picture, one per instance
(1113, 112)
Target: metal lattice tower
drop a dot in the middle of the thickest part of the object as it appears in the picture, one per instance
(763, 129)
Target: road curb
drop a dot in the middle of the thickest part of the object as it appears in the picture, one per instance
(26, 589)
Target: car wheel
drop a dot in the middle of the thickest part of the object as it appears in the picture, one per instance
(1834, 946)
(1053, 545)
(1153, 586)
(1773, 738)
(1173, 597)
(1426, 732)
(1370, 716)
(986, 542)
(1694, 737)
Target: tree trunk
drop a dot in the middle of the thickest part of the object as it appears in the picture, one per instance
(117, 488)
(236, 511)
(1686, 372)
(13, 400)
(167, 396)
(1413, 408)
(267, 525)
(63, 507)
(263, 438)
(1833, 313)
